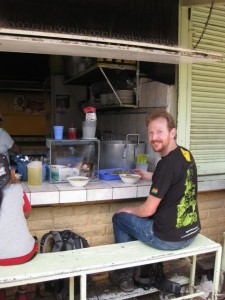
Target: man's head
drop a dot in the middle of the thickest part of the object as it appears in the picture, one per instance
(161, 132)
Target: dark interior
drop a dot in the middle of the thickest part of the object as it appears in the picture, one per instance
(153, 21)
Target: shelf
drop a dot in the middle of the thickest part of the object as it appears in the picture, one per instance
(93, 74)
(116, 107)
(15, 85)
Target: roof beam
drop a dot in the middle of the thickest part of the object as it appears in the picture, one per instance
(59, 44)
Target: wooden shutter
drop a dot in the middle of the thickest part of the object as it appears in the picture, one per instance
(207, 132)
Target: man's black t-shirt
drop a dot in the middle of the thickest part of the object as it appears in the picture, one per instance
(175, 183)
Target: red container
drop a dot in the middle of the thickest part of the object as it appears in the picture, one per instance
(72, 133)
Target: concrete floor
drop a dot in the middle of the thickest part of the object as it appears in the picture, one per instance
(178, 267)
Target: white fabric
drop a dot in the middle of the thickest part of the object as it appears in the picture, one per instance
(6, 142)
(15, 238)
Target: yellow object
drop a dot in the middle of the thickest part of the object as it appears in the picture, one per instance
(34, 173)
(186, 154)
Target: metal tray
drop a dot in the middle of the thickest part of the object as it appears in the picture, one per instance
(106, 174)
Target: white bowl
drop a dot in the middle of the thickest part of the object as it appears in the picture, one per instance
(78, 181)
(130, 178)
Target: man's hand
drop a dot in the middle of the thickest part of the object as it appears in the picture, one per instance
(13, 178)
(147, 209)
(128, 210)
(143, 174)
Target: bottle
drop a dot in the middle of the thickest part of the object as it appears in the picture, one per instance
(90, 112)
(72, 132)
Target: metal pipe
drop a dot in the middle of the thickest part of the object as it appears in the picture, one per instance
(109, 83)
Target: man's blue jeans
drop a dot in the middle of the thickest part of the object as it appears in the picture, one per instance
(128, 227)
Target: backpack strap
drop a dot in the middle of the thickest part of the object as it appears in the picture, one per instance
(58, 241)
(45, 240)
(71, 240)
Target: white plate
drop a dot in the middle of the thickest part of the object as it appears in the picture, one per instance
(125, 93)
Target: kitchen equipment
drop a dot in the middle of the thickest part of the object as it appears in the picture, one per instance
(143, 167)
(78, 181)
(59, 173)
(89, 129)
(34, 173)
(130, 178)
(113, 174)
(67, 156)
(126, 96)
(120, 153)
(90, 114)
(103, 99)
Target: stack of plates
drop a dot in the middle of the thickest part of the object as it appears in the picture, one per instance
(126, 96)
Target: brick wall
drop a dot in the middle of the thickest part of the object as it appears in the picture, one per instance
(93, 221)
(212, 214)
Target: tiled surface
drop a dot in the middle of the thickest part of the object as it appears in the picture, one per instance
(100, 190)
(43, 194)
(44, 198)
(143, 191)
(125, 192)
(73, 196)
(99, 194)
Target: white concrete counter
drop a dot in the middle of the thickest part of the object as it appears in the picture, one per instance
(100, 190)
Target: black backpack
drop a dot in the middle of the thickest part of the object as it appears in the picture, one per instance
(55, 241)
(153, 276)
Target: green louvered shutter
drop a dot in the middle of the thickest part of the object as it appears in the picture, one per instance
(207, 132)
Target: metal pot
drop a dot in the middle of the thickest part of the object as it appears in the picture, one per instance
(120, 153)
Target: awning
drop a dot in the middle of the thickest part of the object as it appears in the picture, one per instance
(23, 41)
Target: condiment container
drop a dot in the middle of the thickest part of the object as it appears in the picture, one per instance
(90, 114)
(72, 133)
(34, 173)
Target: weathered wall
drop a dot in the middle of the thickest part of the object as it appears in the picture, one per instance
(93, 221)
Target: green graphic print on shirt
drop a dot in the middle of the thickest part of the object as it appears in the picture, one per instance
(185, 215)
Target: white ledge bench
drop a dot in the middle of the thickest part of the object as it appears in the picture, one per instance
(82, 262)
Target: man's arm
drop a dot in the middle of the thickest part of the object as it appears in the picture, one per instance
(144, 174)
(147, 209)
(15, 148)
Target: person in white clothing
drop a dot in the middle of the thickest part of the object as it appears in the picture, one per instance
(6, 142)
(17, 244)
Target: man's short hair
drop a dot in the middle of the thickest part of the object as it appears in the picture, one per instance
(161, 114)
